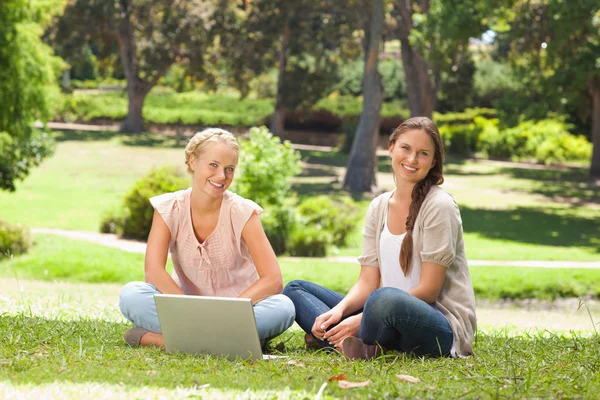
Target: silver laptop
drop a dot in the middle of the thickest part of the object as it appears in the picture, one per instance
(222, 326)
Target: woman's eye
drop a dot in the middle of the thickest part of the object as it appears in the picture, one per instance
(213, 165)
(230, 169)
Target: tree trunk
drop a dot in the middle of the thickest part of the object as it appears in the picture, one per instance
(362, 163)
(136, 88)
(278, 117)
(136, 94)
(420, 91)
(594, 89)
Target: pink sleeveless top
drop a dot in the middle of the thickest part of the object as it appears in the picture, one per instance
(222, 265)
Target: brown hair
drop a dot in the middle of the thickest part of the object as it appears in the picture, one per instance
(196, 145)
(434, 177)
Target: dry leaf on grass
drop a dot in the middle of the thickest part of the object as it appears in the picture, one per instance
(349, 385)
(407, 378)
(338, 377)
(296, 363)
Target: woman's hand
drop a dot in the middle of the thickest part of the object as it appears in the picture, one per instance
(348, 327)
(324, 321)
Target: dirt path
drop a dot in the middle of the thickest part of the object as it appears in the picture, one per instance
(133, 246)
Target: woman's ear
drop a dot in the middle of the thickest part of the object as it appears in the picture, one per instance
(192, 163)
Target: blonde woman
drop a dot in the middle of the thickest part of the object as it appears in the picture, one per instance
(217, 243)
(414, 291)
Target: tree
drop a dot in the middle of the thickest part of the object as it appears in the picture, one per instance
(362, 163)
(434, 36)
(558, 43)
(151, 36)
(27, 83)
(304, 39)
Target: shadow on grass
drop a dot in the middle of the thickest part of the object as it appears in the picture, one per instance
(532, 225)
(145, 139)
(571, 186)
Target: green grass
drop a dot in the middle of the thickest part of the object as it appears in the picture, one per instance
(508, 213)
(65, 340)
(55, 258)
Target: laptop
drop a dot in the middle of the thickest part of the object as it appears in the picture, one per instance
(223, 326)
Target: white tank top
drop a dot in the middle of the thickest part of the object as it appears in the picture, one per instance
(391, 273)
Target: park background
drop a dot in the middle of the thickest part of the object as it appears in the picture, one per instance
(98, 99)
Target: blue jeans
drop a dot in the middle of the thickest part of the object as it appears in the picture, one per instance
(273, 315)
(391, 318)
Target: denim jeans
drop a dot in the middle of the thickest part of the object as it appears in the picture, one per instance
(273, 315)
(391, 318)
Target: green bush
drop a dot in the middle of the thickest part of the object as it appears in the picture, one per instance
(278, 222)
(546, 141)
(335, 216)
(14, 239)
(308, 241)
(264, 176)
(266, 168)
(138, 211)
(112, 222)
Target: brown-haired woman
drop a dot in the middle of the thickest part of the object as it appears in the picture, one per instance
(414, 292)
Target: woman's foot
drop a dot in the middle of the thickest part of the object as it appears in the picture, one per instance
(314, 343)
(143, 337)
(354, 349)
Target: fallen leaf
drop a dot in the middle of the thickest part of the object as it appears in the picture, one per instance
(122, 383)
(407, 378)
(129, 374)
(151, 372)
(296, 363)
(338, 377)
(349, 385)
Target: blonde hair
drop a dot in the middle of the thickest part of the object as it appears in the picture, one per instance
(198, 143)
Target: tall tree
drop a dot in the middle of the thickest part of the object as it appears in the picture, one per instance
(27, 82)
(151, 35)
(434, 35)
(559, 43)
(362, 163)
(303, 39)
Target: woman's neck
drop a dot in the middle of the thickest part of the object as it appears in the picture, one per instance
(403, 193)
(203, 204)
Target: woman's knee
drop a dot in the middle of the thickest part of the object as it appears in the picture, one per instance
(135, 295)
(285, 307)
(384, 301)
(293, 286)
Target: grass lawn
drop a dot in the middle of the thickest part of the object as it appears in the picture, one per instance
(56, 258)
(64, 340)
(508, 213)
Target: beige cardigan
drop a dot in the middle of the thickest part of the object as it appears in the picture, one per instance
(437, 238)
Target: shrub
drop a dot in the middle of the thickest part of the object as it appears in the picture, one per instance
(278, 222)
(546, 141)
(308, 241)
(14, 239)
(112, 222)
(267, 166)
(138, 211)
(336, 216)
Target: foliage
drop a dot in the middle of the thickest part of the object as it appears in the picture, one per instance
(308, 241)
(151, 37)
(278, 222)
(27, 89)
(163, 107)
(350, 75)
(138, 211)
(267, 166)
(336, 216)
(457, 87)
(493, 81)
(547, 141)
(264, 176)
(14, 239)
